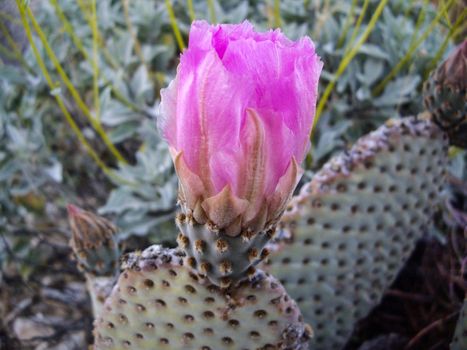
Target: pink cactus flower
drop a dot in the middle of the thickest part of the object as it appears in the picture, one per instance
(238, 117)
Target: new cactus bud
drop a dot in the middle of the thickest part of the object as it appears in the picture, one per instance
(93, 242)
(445, 96)
(237, 118)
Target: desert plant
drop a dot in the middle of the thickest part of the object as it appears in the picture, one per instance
(117, 65)
(341, 244)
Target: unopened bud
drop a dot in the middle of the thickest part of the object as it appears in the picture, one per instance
(93, 242)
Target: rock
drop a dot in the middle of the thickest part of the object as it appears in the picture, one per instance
(27, 329)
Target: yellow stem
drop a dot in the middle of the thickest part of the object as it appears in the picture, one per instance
(94, 122)
(69, 29)
(95, 62)
(348, 20)
(357, 26)
(16, 54)
(277, 14)
(421, 17)
(446, 14)
(347, 59)
(456, 28)
(79, 44)
(380, 87)
(212, 11)
(60, 103)
(173, 22)
(460, 30)
(129, 25)
(191, 10)
(89, 20)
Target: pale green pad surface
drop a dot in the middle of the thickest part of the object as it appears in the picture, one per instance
(459, 342)
(223, 259)
(160, 304)
(351, 229)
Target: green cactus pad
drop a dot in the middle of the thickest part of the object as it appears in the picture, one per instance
(158, 303)
(220, 257)
(459, 342)
(347, 234)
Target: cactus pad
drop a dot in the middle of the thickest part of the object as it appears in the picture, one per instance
(350, 230)
(459, 342)
(222, 258)
(158, 303)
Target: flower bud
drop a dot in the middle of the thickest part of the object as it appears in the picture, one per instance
(445, 96)
(93, 242)
(238, 117)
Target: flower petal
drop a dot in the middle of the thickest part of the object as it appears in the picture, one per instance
(241, 110)
(283, 192)
(191, 186)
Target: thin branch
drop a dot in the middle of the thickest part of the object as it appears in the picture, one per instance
(173, 22)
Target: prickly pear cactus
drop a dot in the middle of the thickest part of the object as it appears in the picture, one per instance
(158, 303)
(347, 234)
(220, 257)
(459, 342)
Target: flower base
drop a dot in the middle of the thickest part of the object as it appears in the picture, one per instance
(223, 259)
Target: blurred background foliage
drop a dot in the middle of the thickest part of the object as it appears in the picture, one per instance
(79, 91)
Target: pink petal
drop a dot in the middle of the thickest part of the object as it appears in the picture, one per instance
(167, 121)
(241, 110)
(284, 191)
